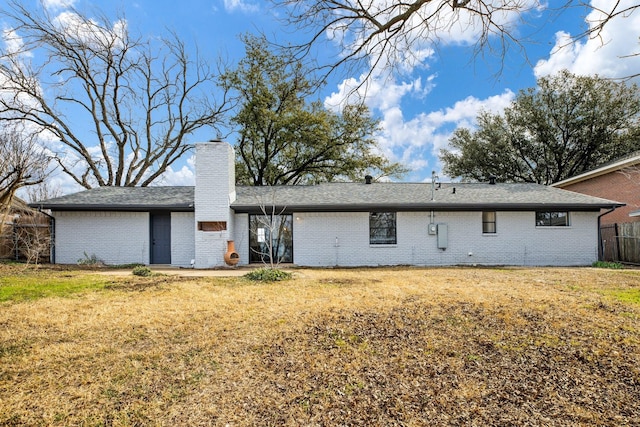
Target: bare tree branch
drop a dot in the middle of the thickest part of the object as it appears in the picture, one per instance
(384, 34)
(23, 163)
(121, 107)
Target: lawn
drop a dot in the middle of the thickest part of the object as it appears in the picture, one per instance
(387, 346)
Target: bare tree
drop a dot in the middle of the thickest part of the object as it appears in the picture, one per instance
(386, 34)
(614, 9)
(33, 236)
(23, 163)
(43, 191)
(270, 231)
(376, 34)
(121, 107)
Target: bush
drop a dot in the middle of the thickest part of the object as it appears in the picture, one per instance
(90, 260)
(607, 264)
(266, 274)
(143, 271)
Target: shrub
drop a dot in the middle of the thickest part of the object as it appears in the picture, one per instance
(266, 274)
(607, 264)
(143, 271)
(90, 260)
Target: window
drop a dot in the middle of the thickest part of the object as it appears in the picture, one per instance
(489, 222)
(212, 225)
(271, 238)
(382, 228)
(552, 219)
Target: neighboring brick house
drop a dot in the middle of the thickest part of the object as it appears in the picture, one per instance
(333, 224)
(618, 180)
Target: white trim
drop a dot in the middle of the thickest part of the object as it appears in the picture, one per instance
(612, 167)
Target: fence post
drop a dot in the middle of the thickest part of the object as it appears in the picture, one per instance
(616, 232)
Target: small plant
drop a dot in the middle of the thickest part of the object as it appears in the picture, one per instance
(142, 271)
(90, 260)
(607, 264)
(266, 274)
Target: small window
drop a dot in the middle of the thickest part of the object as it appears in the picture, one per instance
(552, 219)
(489, 222)
(382, 228)
(212, 225)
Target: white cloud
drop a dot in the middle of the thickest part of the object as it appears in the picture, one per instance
(434, 23)
(185, 175)
(240, 6)
(416, 140)
(58, 4)
(615, 53)
(14, 44)
(90, 31)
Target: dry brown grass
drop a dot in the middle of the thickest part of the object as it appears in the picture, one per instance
(400, 346)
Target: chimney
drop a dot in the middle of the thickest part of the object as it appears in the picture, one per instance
(492, 180)
(367, 179)
(214, 192)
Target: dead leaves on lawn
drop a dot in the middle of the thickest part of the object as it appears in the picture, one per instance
(390, 347)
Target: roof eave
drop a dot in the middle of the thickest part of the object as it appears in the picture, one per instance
(421, 207)
(613, 167)
(113, 208)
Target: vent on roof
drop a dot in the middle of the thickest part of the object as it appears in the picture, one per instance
(367, 179)
(492, 180)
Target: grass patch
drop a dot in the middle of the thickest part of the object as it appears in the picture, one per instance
(20, 283)
(385, 346)
(631, 296)
(607, 264)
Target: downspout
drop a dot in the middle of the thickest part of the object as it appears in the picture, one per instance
(600, 248)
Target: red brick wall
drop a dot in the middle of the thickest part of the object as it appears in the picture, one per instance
(622, 186)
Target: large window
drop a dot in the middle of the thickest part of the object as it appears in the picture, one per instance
(552, 219)
(382, 228)
(271, 238)
(488, 222)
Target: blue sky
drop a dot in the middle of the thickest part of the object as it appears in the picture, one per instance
(419, 109)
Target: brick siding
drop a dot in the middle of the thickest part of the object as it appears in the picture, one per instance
(621, 186)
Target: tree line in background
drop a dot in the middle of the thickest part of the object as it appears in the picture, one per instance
(111, 108)
(566, 125)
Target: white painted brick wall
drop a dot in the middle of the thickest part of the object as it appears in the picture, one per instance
(113, 237)
(329, 239)
(183, 248)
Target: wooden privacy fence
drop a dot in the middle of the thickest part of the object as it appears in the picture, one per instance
(620, 243)
(26, 238)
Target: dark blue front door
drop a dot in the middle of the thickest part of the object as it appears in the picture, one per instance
(161, 238)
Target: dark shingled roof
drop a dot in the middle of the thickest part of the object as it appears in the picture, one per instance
(123, 199)
(415, 196)
(340, 197)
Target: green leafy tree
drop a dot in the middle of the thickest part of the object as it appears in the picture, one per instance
(566, 125)
(284, 139)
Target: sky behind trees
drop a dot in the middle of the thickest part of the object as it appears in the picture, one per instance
(420, 105)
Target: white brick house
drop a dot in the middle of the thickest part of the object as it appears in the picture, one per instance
(334, 224)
